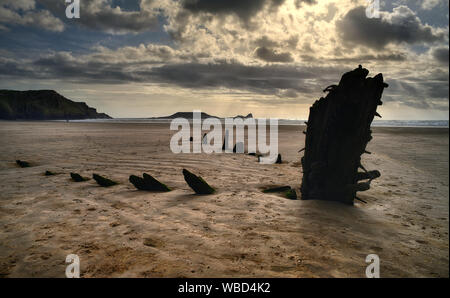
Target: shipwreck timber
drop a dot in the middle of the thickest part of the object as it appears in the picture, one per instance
(338, 131)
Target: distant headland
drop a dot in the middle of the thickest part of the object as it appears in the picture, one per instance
(189, 115)
(43, 105)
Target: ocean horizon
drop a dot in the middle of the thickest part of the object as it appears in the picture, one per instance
(375, 123)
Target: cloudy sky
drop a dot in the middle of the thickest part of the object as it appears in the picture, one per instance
(141, 58)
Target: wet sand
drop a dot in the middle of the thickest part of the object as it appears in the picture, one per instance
(238, 231)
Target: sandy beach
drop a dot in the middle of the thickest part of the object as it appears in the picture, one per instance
(238, 231)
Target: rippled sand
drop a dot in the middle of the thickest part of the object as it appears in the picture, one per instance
(237, 232)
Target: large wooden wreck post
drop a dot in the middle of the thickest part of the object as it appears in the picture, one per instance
(338, 130)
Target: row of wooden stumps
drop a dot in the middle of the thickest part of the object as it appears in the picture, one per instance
(197, 183)
(146, 182)
(149, 183)
(338, 131)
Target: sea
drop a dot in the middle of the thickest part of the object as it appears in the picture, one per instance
(375, 123)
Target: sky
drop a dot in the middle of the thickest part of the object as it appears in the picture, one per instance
(271, 58)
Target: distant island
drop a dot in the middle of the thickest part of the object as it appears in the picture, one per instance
(189, 115)
(244, 117)
(43, 105)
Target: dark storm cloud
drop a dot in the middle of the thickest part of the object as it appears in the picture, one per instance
(269, 79)
(436, 90)
(366, 58)
(400, 26)
(270, 55)
(283, 81)
(422, 94)
(244, 9)
(360, 59)
(63, 66)
(265, 41)
(101, 15)
(290, 93)
(441, 55)
(261, 79)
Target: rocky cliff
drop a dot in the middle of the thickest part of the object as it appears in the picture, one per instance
(43, 105)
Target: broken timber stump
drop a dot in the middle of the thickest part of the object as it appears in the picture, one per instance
(197, 183)
(148, 183)
(102, 181)
(338, 131)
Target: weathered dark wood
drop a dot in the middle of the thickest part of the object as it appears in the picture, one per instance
(338, 131)
(22, 164)
(148, 182)
(277, 189)
(77, 177)
(102, 181)
(197, 183)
